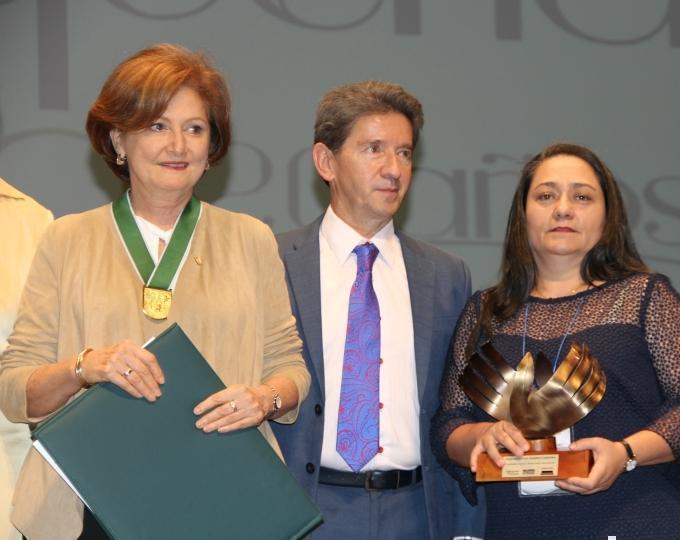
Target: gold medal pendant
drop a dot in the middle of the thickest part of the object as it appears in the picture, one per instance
(157, 278)
(156, 303)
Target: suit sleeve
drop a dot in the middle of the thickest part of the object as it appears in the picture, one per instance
(455, 409)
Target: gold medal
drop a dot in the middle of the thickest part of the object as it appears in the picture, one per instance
(156, 303)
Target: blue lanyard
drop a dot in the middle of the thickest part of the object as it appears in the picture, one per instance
(564, 338)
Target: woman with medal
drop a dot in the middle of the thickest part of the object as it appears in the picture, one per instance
(103, 282)
(570, 273)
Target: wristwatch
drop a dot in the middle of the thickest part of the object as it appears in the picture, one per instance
(276, 400)
(632, 460)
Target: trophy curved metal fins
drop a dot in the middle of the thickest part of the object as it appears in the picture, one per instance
(483, 395)
(575, 388)
(489, 374)
(493, 357)
(591, 391)
(574, 369)
(543, 369)
(487, 379)
(561, 399)
(530, 416)
(595, 396)
(521, 387)
(580, 378)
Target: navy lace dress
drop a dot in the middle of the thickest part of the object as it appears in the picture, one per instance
(632, 327)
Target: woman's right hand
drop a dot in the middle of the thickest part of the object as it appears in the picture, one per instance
(127, 365)
(494, 435)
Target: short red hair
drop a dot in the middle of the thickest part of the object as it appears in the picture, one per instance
(139, 89)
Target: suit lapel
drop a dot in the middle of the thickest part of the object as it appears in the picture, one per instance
(302, 263)
(420, 275)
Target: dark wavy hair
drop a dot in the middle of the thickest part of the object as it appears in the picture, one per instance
(139, 89)
(613, 256)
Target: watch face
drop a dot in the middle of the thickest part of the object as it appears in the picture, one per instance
(630, 465)
(277, 403)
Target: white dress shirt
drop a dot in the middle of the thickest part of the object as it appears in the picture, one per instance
(399, 433)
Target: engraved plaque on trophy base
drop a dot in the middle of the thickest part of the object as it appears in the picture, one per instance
(542, 462)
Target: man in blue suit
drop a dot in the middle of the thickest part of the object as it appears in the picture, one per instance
(392, 486)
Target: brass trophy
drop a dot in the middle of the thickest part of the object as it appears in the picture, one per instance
(557, 401)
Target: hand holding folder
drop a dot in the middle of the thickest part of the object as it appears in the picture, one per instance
(146, 472)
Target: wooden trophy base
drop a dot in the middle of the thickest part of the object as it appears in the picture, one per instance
(542, 462)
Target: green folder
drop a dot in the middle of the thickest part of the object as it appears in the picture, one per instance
(145, 471)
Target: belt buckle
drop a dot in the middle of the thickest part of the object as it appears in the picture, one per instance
(369, 477)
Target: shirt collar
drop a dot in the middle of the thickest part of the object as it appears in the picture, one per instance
(6, 190)
(146, 226)
(342, 239)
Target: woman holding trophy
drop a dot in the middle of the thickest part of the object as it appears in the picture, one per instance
(571, 274)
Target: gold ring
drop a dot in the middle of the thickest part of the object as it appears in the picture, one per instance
(127, 372)
(233, 406)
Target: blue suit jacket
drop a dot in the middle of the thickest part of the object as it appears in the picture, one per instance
(439, 285)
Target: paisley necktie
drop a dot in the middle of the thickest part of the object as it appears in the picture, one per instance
(358, 416)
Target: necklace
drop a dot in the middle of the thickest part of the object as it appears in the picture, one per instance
(580, 288)
(567, 330)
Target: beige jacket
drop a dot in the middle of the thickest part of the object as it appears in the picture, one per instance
(22, 222)
(82, 291)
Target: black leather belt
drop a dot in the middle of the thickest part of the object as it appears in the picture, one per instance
(372, 480)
